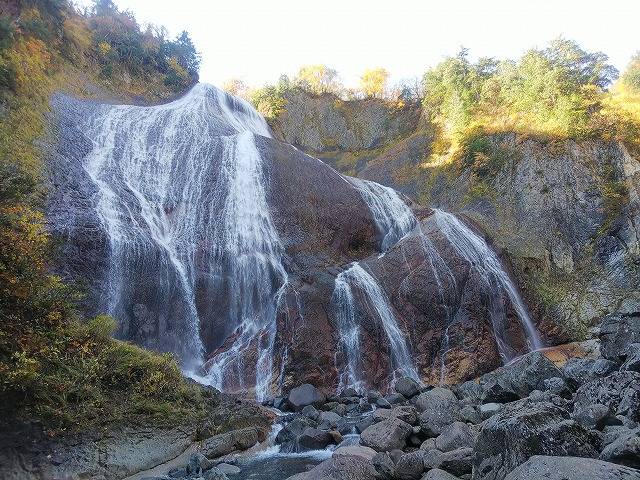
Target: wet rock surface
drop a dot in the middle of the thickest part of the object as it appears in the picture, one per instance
(322, 224)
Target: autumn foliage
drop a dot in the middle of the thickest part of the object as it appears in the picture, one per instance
(55, 365)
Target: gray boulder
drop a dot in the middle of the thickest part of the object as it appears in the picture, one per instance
(439, 407)
(582, 370)
(611, 433)
(620, 391)
(214, 474)
(349, 392)
(498, 391)
(520, 431)
(331, 421)
(557, 386)
(470, 414)
(386, 435)
(288, 435)
(395, 398)
(617, 332)
(311, 412)
(228, 469)
(458, 462)
(438, 474)
(178, 472)
(570, 468)
(488, 410)
(340, 409)
(428, 444)
(356, 451)
(470, 390)
(625, 450)
(407, 387)
(314, 439)
(521, 377)
(406, 413)
(382, 402)
(595, 416)
(373, 395)
(410, 466)
(365, 423)
(384, 465)
(454, 436)
(632, 361)
(340, 467)
(305, 394)
(226, 443)
(197, 463)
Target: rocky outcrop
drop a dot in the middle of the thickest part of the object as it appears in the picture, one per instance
(509, 438)
(556, 209)
(340, 467)
(326, 124)
(571, 468)
(120, 450)
(566, 212)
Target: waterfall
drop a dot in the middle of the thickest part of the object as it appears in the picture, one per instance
(393, 218)
(195, 260)
(357, 279)
(349, 333)
(484, 260)
(247, 264)
(150, 167)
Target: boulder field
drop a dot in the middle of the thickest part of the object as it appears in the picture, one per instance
(531, 419)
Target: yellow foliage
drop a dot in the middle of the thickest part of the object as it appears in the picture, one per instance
(318, 79)
(104, 48)
(236, 87)
(76, 32)
(373, 82)
(177, 68)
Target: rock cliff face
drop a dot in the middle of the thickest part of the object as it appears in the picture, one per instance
(568, 215)
(564, 213)
(206, 237)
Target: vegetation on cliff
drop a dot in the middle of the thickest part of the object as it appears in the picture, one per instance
(54, 365)
(557, 92)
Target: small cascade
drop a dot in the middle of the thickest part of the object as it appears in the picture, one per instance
(484, 260)
(393, 218)
(349, 332)
(349, 283)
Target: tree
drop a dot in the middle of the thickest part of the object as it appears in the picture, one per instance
(451, 92)
(578, 66)
(318, 79)
(104, 7)
(373, 82)
(631, 76)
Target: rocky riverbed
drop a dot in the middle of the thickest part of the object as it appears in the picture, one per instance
(541, 416)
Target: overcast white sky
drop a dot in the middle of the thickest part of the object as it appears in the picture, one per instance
(257, 40)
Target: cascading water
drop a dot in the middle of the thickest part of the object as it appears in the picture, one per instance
(356, 277)
(393, 218)
(150, 166)
(246, 263)
(349, 333)
(484, 260)
(180, 191)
